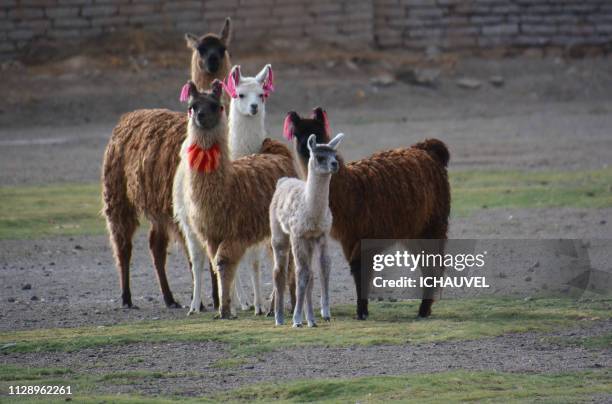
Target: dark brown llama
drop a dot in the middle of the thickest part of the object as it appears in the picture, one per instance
(395, 194)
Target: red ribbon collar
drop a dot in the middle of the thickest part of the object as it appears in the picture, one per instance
(203, 160)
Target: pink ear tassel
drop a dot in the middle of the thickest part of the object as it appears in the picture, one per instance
(184, 93)
(326, 122)
(268, 85)
(230, 84)
(189, 113)
(288, 128)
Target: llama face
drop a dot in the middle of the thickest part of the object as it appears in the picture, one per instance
(205, 107)
(299, 129)
(249, 93)
(323, 158)
(211, 48)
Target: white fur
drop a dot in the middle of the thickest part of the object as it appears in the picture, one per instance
(300, 218)
(246, 134)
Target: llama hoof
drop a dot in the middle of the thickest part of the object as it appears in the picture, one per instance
(174, 305)
(312, 325)
(297, 325)
(259, 311)
(131, 307)
(270, 313)
(279, 323)
(361, 317)
(327, 319)
(425, 308)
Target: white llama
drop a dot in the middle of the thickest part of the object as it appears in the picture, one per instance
(246, 134)
(300, 217)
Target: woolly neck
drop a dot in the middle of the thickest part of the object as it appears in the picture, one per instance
(246, 133)
(317, 195)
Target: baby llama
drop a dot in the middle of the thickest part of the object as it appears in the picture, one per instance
(300, 219)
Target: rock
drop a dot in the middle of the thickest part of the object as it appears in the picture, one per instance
(27, 286)
(351, 65)
(528, 279)
(497, 81)
(383, 80)
(419, 77)
(78, 247)
(11, 300)
(469, 83)
(34, 298)
(602, 222)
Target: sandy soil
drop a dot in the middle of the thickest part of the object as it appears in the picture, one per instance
(55, 121)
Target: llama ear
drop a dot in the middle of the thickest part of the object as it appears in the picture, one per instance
(236, 75)
(192, 41)
(226, 32)
(266, 78)
(312, 142)
(335, 142)
(188, 90)
(289, 125)
(320, 115)
(216, 88)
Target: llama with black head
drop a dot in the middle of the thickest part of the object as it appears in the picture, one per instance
(300, 221)
(395, 194)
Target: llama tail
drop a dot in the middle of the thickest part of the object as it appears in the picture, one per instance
(436, 149)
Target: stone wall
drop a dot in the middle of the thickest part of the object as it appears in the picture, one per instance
(455, 25)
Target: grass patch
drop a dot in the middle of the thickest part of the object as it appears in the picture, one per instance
(474, 190)
(390, 323)
(455, 386)
(597, 342)
(230, 363)
(31, 212)
(434, 388)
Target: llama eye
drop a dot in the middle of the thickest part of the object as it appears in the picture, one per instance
(261, 96)
(241, 95)
(320, 160)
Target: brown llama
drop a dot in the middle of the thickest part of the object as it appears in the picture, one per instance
(139, 165)
(395, 194)
(226, 202)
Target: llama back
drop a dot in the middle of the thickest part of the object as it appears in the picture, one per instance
(408, 182)
(142, 157)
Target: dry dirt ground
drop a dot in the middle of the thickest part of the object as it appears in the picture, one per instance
(55, 119)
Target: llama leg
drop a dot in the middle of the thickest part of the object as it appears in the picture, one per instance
(280, 247)
(302, 255)
(158, 245)
(198, 259)
(325, 265)
(434, 246)
(241, 301)
(256, 280)
(292, 282)
(225, 261)
(121, 226)
(360, 287)
(309, 306)
(215, 285)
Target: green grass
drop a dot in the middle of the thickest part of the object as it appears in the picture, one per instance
(475, 190)
(390, 323)
(597, 342)
(443, 387)
(434, 388)
(31, 212)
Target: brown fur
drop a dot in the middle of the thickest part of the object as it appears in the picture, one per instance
(230, 205)
(139, 165)
(137, 174)
(396, 194)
